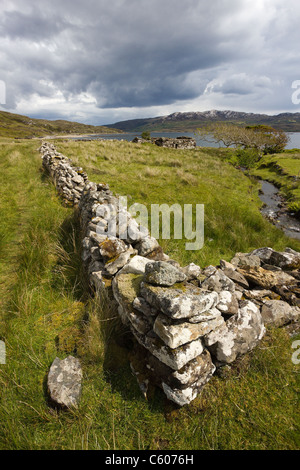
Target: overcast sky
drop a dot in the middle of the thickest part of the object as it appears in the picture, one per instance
(102, 61)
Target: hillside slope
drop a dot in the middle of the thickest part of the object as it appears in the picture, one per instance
(289, 122)
(18, 126)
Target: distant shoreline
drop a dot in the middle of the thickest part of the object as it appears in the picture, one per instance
(294, 142)
(65, 136)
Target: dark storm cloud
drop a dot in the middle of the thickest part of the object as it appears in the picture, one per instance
(18, 25)
(131, 53)
(138, 53)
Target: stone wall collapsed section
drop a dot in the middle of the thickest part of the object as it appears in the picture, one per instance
(180, 143)
(186, 321)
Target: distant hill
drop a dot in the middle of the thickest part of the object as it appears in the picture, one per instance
(18, 126)
(185, 122)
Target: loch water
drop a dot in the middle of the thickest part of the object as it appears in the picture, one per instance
(293, 143)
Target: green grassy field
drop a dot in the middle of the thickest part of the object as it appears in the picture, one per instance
(46, 310)
(152, 175)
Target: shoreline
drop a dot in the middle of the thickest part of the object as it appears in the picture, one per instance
(65, 136)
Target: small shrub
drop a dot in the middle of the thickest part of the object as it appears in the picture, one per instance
(146, 135)
(247, 157)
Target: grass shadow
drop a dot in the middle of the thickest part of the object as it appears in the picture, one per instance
(109, 342)
(69, 268)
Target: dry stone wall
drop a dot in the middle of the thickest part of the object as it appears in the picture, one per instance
(186, 321)
(182, 143)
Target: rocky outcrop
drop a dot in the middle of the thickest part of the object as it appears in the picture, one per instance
(186, 321)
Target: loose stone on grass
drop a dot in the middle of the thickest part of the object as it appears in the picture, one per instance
(64, 382)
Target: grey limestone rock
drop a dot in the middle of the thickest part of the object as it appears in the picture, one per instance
(279, 313)
(161, 273)
(208, 315)
(114, 266)
(263, 254)
(241, 334)
(112, 247)
(236, 277)
(136, 265)
(141, 305)
(209, 271)
(184, 396)
(174, 358)
(228, 303)
(177, 303)
(226, 265)
(218, 282)
(245, 259)
(152, 370)
(146, 245)
(64, 382)
(287, 260)
(179, 333)
(192, 271)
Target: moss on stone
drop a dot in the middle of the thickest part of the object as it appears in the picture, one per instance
(129, 286)
(179, 286)
(111, 260)
(110, 249)
(107, 281)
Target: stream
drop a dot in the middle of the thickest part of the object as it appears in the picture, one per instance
(275, 210)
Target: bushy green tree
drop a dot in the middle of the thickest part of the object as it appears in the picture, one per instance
(274, 140)
(263, 139)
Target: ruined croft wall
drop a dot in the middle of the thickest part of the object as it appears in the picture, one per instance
(186, 321)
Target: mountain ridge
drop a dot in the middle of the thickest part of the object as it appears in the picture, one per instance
(190, 121)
